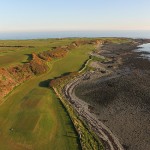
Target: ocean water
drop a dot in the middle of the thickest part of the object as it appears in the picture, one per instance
(65, 34)
(146, 49)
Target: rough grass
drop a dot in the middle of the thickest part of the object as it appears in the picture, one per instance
(32, 117)
(18, 55)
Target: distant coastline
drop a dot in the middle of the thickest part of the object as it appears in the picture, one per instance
(66, 34)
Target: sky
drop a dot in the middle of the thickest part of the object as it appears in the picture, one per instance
(69, 15)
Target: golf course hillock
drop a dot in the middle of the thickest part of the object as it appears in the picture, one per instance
(14, 75)
(31, 115)
(37, 65)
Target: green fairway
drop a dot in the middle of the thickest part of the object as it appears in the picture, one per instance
(11, 55)
(32, 117)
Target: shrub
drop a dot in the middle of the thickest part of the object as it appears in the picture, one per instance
(37, 65)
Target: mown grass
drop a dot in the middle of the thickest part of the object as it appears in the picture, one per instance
(118, 40)
(33, 118)
(18, 55)
(88, 139)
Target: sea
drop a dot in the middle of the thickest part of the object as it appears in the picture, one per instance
(66, 34)
(146, 49)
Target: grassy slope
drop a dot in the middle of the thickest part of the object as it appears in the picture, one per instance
(35, 114)
(14, 55)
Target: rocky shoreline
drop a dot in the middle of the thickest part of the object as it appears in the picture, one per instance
(95, 103)
(82, 108)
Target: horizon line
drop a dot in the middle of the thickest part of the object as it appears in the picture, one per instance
(91, 30)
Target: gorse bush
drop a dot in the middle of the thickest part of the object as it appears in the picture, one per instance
(37, 65)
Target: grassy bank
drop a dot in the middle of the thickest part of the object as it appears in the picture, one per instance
(16, 52)
(88, 139)
(33, 118)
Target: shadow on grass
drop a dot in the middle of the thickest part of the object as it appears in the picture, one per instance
(70, 136)
(46, 83)
(70, 123)
(29, 58)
